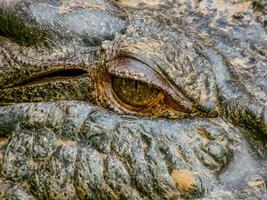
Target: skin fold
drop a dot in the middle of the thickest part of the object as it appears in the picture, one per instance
(133, 99)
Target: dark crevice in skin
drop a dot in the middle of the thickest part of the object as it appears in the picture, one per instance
(2, 33)
(127, 165)
(258, 5)
(105, 178)
(257, 143)
(166, 159)
(78, 155)
(4, 141)
(66, 73)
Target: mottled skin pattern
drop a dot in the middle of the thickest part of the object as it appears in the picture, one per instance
(66, 133)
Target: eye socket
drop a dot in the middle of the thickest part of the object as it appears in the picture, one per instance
(134, 93)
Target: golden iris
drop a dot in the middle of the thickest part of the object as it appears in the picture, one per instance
(133, 92)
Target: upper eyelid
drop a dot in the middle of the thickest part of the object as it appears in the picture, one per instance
(126, 67)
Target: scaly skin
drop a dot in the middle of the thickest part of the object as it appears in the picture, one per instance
(65, 132)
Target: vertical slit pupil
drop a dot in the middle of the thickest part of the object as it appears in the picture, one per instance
(136, 85)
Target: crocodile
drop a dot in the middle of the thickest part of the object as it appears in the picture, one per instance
(133, 99)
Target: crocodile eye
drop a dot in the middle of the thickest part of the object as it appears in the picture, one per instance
(129, 86)
(134, 93)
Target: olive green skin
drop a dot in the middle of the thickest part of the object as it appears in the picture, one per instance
(64, 138)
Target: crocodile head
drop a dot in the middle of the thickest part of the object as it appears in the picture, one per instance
(132, 99)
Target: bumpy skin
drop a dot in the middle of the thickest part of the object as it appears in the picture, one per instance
(66, 136)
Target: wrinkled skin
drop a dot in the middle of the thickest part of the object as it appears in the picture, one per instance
(68, 130)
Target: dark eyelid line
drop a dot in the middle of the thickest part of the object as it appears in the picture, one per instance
(141, 59)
